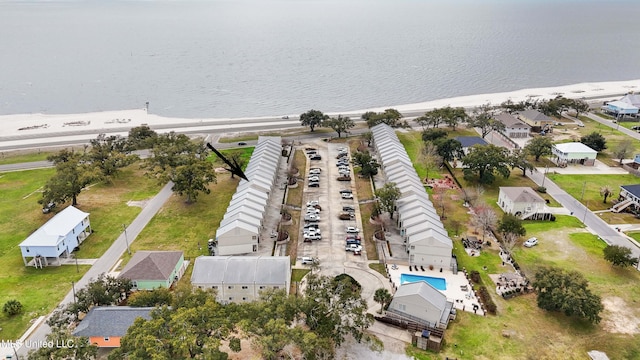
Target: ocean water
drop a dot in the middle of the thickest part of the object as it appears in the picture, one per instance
(219, 58)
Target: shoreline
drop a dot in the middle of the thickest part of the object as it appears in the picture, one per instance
(38, 125)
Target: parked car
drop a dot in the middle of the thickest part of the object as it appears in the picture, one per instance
(346, 191)
(313, 203)
(344, 178)
(353, 247)
(346, 216)
(314, 178)
(312, 230)
(314, 171)
(348, 208)
(357, 252)
(315, 157)
(314, 184)
(313, 237)
(47, 208)
(342, 155)
(312, 210)
(311, 217)
(353, 241)
(352, 230)
(353, 237)
(347, 195)
(531, 242)
(241, 143)
(342, 163)
(308, 260)
(342, 148)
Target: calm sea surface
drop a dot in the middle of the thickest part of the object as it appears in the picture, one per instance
(268, 57)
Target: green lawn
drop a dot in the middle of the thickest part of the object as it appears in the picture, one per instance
(187, 227)
(592, 184)
(245, 156)
(565, 244)
(20, 215)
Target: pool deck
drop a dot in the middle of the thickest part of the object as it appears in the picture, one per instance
(462, 300)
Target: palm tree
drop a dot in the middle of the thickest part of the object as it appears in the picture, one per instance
(605, 192)
(382, 296)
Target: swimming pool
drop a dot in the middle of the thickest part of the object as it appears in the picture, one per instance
(438, 283)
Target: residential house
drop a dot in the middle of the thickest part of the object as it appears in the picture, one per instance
(468, 141)
(421, 303)
(239, 231)
(154, 269)
(106, 325)
(629, 198)
(537, 120)
(523, 202)
(56, 239)
(241, 278)
(573, 153)
(620, 108)
(513, 127)
(430, 248)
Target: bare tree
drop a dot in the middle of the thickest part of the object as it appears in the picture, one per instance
(509, 241)
(429, 156)
(486, 218)
(605, 192)
(624, 148)
(470, 195)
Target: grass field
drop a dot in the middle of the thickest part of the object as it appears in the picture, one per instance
(187, 227)
(368, 230)
(39, 291)
(245, 156)
(574, 185)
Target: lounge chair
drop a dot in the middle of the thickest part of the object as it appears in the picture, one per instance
(421, 267)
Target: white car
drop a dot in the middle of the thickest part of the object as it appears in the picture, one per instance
(353, 247)
(352, 230)
(312, 210)
(314, 171)
(347, 196)
(313, 203)
(314, 178)
(312, 231)
(311, 217)
(307, 260)
(312, 237)
(531, 242)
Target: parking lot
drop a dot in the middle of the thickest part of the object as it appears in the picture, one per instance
(330, 250)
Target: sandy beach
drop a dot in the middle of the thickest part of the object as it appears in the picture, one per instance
(24, 126)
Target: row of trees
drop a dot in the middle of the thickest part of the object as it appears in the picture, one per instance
(174, 157)
(188, 323)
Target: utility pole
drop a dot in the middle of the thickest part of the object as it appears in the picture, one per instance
(544, 176)
(586, 209)
(126, 239)
(584, 185)
(75, 301)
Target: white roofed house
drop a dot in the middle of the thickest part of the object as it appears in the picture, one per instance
(241, 278)
(573, 153)
(430, 247)
(421, 303)
(57, 238)
(239, 230)
(524, 203)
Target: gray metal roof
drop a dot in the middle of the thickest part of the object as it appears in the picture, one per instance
(106, 321)
(521, 194)
(510, 121)
(241, 270)
(534, 115)
(425, 291)
(56, 228)
(151, 265)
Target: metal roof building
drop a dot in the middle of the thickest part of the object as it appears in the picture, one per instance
(239, 231)
(427, 240)
(241, 278)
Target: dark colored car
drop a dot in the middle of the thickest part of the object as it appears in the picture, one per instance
(348, 208)
(47, 208)
(242, 143)
(315, 157)
(314, 184)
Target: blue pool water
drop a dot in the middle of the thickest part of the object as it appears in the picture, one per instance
(438, 283)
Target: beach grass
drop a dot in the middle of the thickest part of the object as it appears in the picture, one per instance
(18, 157)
